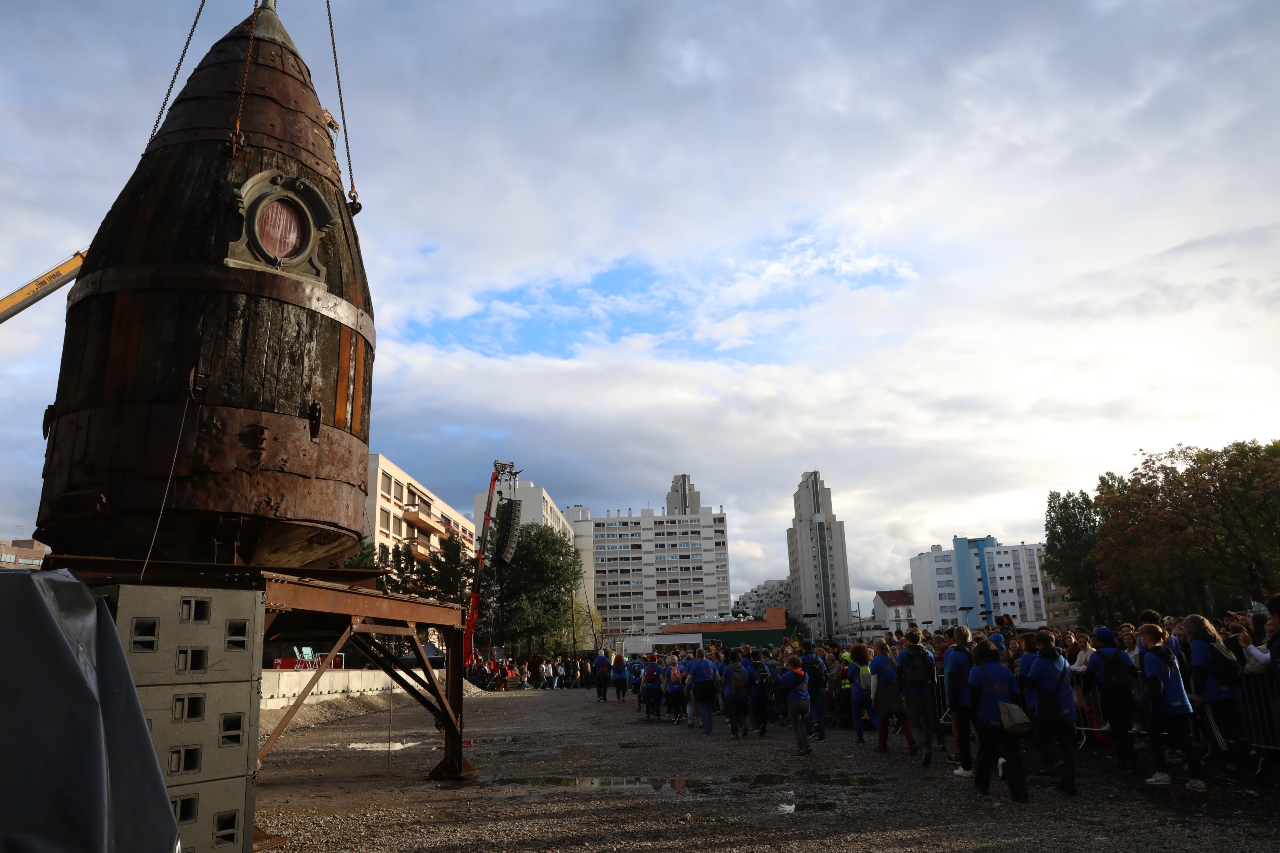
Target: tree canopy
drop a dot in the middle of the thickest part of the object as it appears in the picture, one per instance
(1190, 529)
(528, 603)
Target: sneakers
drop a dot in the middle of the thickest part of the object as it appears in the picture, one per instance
(954, 759)
(860, 740)
(928, 759)
(1159, 778)
(800, 753)
(1197, 786)
(1000, 768)
(962, 773)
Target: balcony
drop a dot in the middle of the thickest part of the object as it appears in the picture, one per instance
(421, 517)
(419, 549)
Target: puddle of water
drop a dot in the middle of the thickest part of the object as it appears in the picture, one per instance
(382, 747)
(617, 783)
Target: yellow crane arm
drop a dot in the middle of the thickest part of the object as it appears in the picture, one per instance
(33, 291)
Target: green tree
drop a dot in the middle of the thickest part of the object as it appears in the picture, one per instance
(797, 629)
(365, 557)
(1071, 532)
(528, 602)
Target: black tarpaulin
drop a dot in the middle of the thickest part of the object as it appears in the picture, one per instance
(78, 773)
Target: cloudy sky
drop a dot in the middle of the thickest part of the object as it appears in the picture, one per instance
(951, 255)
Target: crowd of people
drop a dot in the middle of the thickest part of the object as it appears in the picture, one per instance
(1170, 687)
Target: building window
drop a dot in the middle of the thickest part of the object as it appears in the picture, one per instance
(385, 483)
(398, 491)
(384, 519)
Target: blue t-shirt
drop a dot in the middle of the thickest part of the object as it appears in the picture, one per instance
(1053, 677)
(1098, 662)
(1201, 656)
(998, 685)
(675, 680)
(956, 665)
(796, 683)
(702, 670)
(884, 672)
(1173, 698)
(907, 687)
(1024, 671)
(619, 672)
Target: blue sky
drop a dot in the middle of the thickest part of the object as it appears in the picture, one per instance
(952, 256)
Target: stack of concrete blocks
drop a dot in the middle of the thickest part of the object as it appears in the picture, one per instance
(196, 659)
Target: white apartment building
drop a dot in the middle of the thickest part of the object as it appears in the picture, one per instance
(652, 569)
(977, 581)
(892, 610)
(536, 506)
(763, 596)
(401, 511)
(819, 581)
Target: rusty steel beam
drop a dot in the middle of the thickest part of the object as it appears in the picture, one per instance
(454, 765)
(383, 660)
(434, 686)
(446, 715)
(285, 592)
(398, 630)
(302, 697)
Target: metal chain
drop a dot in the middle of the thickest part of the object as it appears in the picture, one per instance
(174, 79)
(244, 82)
(342, 111)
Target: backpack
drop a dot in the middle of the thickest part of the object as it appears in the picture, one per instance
(1224, 666)
(917, 669)
(737, 678)
(1117, 683)
(763, 676)
(636, 669)
(817, 675)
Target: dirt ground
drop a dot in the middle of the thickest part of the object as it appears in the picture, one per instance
(559, 771)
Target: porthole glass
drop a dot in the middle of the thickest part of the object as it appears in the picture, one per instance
(280, 229)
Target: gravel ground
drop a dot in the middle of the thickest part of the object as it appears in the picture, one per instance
(559, 771)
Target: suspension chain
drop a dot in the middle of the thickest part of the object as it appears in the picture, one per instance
(174, 79)
(244, 81)
(342, 111)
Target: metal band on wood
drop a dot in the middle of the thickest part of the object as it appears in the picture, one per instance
(268, 285)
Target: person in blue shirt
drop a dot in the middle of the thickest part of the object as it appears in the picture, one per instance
(816, 669)
(673, 686)
(915, 681)
(990, 683)
(1049, 676)
(619, 671)
(1221, 702)
(887, 699)
(635, 669)
(601, 667)
(651, 689)
(1170, 707)
(761, 690)
(793, 687)
(956, 664)
(737, 680)
(720, 661)
(703, 676)
(1113, 669)
(860, 690)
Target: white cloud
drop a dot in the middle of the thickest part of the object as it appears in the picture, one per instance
(953, 257)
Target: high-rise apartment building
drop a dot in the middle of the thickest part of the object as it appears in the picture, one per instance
(819, 594)
(401, 511)
(761, 597)
(651, 569)
(977, 581)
